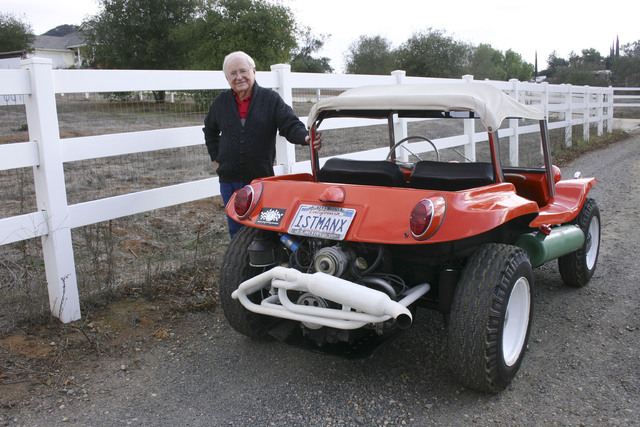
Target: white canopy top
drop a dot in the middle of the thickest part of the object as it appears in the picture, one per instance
(487, 102)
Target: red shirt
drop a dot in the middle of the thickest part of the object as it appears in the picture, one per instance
(243, 106)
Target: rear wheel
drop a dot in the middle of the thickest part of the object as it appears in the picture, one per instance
(490, 317)
(235, 270)
(577, 267)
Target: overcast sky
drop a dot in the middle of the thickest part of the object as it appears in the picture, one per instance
(563, 26)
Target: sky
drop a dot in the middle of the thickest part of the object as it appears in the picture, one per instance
(563, 26)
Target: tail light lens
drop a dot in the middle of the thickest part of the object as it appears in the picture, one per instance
(334, 194)
(421, 217)
(557, 174)
(243, 201)
(428, 216)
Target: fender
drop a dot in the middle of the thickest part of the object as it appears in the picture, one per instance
(567, 202)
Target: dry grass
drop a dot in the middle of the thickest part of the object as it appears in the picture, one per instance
(563, 155)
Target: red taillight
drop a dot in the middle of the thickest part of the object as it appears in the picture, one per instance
(243, 201)
(421, 217)
(334, 194)
(428, 216)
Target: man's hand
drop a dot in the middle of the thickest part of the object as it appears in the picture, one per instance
(317, 143)
(216, 165)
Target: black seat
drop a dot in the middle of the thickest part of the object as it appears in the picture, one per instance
(430, 175)
(363, 172)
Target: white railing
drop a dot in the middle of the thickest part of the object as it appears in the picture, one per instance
(621, 100)
(46, 152)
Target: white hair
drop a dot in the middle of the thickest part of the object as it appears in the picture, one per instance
(238, 54)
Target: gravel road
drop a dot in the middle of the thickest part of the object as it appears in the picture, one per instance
(582, 366)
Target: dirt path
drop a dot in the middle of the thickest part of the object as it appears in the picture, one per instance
(141, 363)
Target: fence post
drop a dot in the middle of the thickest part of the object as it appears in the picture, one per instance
(568, 117)
(610, 109)
(285, 152)
(51, 195)
(400, 125)
(545, 106)
(545, 99)
(587, 113)
(469, 130)
(514, 140)
(600, 111)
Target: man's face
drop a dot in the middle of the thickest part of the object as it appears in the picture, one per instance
(240, 76)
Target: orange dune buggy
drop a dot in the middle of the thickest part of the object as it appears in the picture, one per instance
(340, 258)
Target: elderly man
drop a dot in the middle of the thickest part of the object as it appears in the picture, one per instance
(240, 129)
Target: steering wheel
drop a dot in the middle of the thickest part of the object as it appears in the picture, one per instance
(409, 166)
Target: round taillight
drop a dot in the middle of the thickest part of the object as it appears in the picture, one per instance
(421, 217)
(243, 201)
(557, 174)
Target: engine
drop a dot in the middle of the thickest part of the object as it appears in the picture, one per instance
(365, 264)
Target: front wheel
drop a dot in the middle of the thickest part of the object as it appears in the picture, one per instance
(490, 317)
(577, 267)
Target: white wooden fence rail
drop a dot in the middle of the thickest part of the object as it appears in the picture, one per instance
(621, 100)
(46, 152)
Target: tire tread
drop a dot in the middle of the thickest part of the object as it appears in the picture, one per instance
(474, 324)
(235, 270)
(572, 267)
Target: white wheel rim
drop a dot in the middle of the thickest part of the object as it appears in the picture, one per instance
(592, 243)
(516, 321)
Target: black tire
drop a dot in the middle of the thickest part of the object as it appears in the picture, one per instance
(235, 270)
(490, 317)
(577, 267)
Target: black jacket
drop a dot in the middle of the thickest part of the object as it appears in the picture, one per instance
(248, 152)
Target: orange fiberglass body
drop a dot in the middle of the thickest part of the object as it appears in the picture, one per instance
(345, 253)
(382, 215)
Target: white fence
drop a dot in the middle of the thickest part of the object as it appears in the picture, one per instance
(46, 152)
(624, 99)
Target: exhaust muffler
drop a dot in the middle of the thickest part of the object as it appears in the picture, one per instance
(360, 305)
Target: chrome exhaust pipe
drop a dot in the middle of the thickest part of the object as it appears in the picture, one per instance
(359, 305)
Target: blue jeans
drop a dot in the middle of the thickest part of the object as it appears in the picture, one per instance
(226, 190)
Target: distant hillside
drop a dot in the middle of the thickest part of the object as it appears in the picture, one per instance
(61, 30)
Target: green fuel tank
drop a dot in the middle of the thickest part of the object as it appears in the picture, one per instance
(542, 248)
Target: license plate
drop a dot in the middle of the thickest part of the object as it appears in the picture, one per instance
(325, 222)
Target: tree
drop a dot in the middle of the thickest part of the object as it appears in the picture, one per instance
(632, 49)
(370, 55)
(515, 67)
(626, 67)
(554, 63)
(136, 34)
(434, 54)
(593, 58)
(488, 63)
(302, 60)
(265, 31)
(61, 30)
(15, 35)
(585, 69)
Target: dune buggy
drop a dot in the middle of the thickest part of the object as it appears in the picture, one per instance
(342, 257)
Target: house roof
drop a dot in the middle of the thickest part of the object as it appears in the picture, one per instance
(486, 101)
(65, 42)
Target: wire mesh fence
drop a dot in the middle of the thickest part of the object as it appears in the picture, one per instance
(138, 252)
